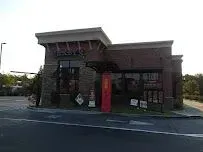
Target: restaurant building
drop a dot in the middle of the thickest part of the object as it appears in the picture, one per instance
(77, 60)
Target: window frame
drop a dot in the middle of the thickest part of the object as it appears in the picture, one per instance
(74, 76)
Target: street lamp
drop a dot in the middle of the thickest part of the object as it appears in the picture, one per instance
(1, 53)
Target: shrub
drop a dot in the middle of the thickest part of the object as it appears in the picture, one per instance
(178, 105)
(201, 98)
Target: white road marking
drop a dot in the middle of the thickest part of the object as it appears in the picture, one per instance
(132, 122)
(104, 127)
(4, 99)
(112, 120)
(42, 111)
(4, 110)
(11, 104)
(13, 107)
(20, 100)
(54, 116)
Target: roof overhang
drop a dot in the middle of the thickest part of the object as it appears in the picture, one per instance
(73, 35)
(177, 57)
(141, 45)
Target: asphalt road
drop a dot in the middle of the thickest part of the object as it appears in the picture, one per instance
(23, 129)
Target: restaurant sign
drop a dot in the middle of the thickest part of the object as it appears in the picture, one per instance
(66, 52)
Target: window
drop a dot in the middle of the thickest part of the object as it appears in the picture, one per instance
(132, 81)
(69, 76)
(161, 96)
(155, 96)
(151, 76)
(152, 80)
(145, 97)
(117, 83)
(150, 96)
(146, 86)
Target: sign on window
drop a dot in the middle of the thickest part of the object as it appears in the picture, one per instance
(143, 104)
(91, 98)
(134, 102)
(79, 99)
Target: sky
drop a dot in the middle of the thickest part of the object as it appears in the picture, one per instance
(123, 21)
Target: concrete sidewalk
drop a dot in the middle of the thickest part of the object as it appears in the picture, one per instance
(194, 104)
(84, 112)
(191, 108)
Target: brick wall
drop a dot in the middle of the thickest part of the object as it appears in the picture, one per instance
(159, 58)
(138, 58)
(177, 82)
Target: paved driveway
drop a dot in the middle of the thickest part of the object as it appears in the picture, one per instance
(13, 102)
(194, 104)
(191, 108)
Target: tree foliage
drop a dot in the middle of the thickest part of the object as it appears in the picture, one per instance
(29, 85)
(7, 80)
(200, 83)
(37, 82)
(193, 86)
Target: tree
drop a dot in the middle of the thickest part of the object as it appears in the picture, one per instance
(36, 85)
(200, 83)
(7, 80)
(37, 81)
(191, 87)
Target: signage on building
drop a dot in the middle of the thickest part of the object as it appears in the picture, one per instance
(79, 99)
(91, 98)
(62, 49)
(66, 52)
(91, 104)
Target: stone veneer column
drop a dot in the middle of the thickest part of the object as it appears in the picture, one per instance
(48, 78)
(86, 80)
(48, 83)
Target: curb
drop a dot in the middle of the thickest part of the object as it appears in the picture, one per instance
(161, 116)
(54, 110)
(176, 116)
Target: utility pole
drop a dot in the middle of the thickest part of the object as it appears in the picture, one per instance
(1, 53)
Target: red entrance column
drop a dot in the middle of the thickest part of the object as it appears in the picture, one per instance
(106, 92)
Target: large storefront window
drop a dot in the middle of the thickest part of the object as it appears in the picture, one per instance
(132, 82)
(147, 86)
(117, 83)
(69, 76)
(152, 80)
